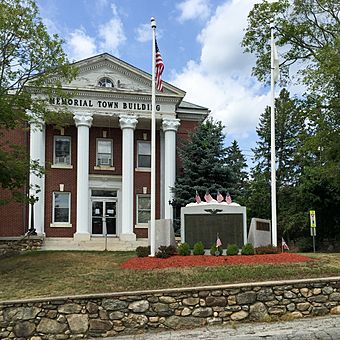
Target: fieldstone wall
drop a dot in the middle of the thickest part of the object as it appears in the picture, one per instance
(10, 246)
(136, 312)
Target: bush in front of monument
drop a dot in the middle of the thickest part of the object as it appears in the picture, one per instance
(166, 251)
(232, 249)
(248, 249)
(143, 251)
(184, 249)
(216, 251)
(198, 248)
(269, 249)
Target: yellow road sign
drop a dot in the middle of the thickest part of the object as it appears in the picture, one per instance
(312, 218)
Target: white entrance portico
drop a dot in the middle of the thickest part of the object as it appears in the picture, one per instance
(99, 183)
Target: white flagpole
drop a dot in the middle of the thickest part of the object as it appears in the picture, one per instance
(272, 141)
(152, 233)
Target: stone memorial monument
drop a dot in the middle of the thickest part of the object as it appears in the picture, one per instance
(202, 221)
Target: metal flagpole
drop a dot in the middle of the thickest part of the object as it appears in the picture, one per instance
(152, 233)
(272, 141)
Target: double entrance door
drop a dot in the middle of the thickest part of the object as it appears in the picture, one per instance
(104, 217)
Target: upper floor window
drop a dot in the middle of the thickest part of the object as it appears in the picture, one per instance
(104, 152)
(62, 150)
(105, 82)
(144, 154)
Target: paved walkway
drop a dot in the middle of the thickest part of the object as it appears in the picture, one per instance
(325, 328)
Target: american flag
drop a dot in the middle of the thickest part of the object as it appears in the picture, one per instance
(159, 69)
(197, 197)
(218, 242)
(219, 197)
(284, 244)
(228, 198)
(207, 197)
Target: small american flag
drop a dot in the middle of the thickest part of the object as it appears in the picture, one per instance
(284, 244)
(207, 197)
(218, 242)
(197, 197)
(159, 69)
(228, 198)
(219, 197)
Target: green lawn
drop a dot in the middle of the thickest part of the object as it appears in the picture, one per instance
(37, 274)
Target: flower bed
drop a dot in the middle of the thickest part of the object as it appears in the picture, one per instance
(205, 261)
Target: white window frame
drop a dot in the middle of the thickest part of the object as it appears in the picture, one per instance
(146, 142)
(61, 224)
(137, 210)
(64, 164)
(97, 142)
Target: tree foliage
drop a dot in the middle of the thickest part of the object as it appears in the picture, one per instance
(307, 33)
(204, 164)
(32, 66)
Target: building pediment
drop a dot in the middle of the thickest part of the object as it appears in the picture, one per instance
(107, 74)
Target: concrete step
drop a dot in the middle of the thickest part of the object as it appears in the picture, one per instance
(94, 244)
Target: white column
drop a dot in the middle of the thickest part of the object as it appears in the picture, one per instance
(127, 124)
(170, 126)
(37, 182)
(83, 122)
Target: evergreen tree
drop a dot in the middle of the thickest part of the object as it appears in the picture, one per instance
(204, 165)
(236, 162)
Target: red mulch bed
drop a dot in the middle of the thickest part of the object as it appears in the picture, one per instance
(208, 260)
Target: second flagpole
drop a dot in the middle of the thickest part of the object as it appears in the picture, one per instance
(152, 233)
(272, 141)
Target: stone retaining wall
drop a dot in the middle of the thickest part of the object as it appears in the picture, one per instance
(10, 246)
(136, 312)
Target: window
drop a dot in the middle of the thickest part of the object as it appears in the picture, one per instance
(144, 154)
(143, 209)
(62, 150)
(105, 82)
(61, 207)
(104, 152)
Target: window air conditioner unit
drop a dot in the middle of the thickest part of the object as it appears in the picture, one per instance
(104, 160)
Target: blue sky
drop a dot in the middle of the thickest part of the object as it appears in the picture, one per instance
(199, 41)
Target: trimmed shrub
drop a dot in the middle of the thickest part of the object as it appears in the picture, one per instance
(143, 251)
(269, 249)
(248, 249)
(198, 248)
(216, 251)
(165, 251)
(184, 249)
(232, 249)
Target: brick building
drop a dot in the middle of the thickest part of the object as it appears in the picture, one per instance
(97, 178)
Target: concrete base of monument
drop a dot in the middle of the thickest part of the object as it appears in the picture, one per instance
(164, 231)
(95, 243)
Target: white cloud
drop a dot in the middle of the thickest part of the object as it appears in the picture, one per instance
(221, 80)
(144, 33)
(111, 33)
(109, 37)
(193, 9)
(80, 45)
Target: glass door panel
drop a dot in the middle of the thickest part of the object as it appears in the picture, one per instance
(110, 214)
(97, 217)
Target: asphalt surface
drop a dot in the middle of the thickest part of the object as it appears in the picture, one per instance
(320, 328)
